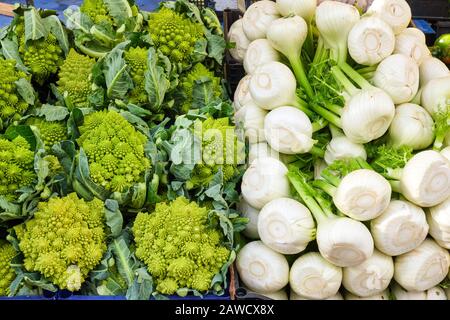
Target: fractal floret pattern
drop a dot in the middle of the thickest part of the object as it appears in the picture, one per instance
(51, 132)
(136, 59)
(174, 34)
(65, 240)
(178, 247)
(75, 78)
(7, 274)
(115, 150)
(16, 166)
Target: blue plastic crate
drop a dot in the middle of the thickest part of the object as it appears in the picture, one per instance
(46, 296)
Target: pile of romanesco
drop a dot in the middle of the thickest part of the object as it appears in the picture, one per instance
(136, 59)
(115, 150)
(65, 240)
(178, 247)
(7, 274)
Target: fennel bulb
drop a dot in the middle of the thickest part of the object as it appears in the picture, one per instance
(273, 85)
(312, 277)
(436, 293)
(438, 218)
(334, 21)
(252, 214)
(342, 241)
(258, 53)
(341, 147)
(242, 94)
(412, 126)
(380, 296)
(251, 118)
(422, 268)
(319, 166)
(294, 296)
(302, 8)
(401, 294)
(277, 295)
(432, 68)
(257, 19)
(261, 150)
(436, 96)
(446, 152)
(264, 181)
(370, 277)
(398, 76)
(370, 41)
(237, 36)
(286, 226)
(288, 130)
(287, 35)
(261, 269)
(409, 45)
(418, 34)
(402, 227)
(396, 13)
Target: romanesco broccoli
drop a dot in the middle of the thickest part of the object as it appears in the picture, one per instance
(198, 73)
(7, 273)
(16, 166)
(51, 132)
(136, 58)
(12, 106)
(96, 10)
(75, 78)
(64, 241)
(115, 150)
(178, 247)
(174, 34)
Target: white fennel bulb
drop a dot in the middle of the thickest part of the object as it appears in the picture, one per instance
(380, 296)
(432, 68)
(418, 34)
(242, 94)
(425, 179)
(343, 241)
(278, 295)
(422, 268)
(401, 294)
(237, 36)
(436, 293)
(398, 76)
(402, 227)
(334, 21)
(363, 194)
(294, 296)
(312, 277)
(258, 53)
(264, 181)
(257, 19)
(251, 118)
(412, 126)
(261, 150)
(370, 41)
(286, 226)
(436, 95)
(303, 8)
(261, 269)
(438, 218)
(319, 166)
(288, 130)
(367, 115)
(273, 85)
(396, 13)
(252, 214)
(341, 147)
(370, 277)
(408, 45)
(446, 152)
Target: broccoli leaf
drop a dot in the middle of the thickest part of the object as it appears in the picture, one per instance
(114, 218)
(156, 80)
(216, 47)
(56, 28)
(118, 80)
(119, 10)
(26, 90)
(76, 20)
(34, 25)
(53, 113)
(10, 50)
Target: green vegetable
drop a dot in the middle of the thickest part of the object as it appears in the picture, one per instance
(7, 274)
(136, 58)
(96, 10)
(178, 246)
(65, 240)
(50, 132)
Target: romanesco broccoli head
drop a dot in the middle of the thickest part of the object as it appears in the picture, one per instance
(115, 150)
(221, 150)
(7, 273)
(136, 59)
(16, 166)
(96, 10)
(42, 56)
(64, 241)
(12, 105)
(178, 246)
(75, 78)
(198, 73)
(51, 132)
(174, 34)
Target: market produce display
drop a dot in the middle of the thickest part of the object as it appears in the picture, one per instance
(119, 161)
(347, 187)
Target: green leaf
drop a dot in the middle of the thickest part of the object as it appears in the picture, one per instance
(24, 131)
(114, 218)
(156, 81)
(120, 10)
(25, 90)
(76, 20)
(118, 80)
(10, 211)
(200, 53)
(123, 258)
(10, 50)
(216, 47)
(202, 93)
(57, 29)
(34, 25)
(53, 113)
(142, 287)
